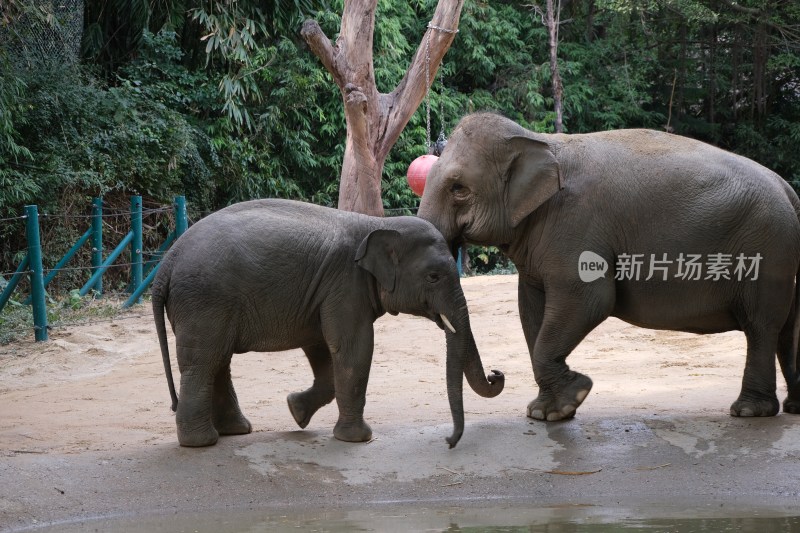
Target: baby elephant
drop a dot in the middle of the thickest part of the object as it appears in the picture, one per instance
(272, 275)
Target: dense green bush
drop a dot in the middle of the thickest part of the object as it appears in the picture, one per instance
(224, 102)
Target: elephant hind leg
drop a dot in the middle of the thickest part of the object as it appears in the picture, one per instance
(792, 402)
(758, 397)
(787, 358)
(227, 416)
(194, 414)
(304, 404)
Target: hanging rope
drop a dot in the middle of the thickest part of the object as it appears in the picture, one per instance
(435, 149)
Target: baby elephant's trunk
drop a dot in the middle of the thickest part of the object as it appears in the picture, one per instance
(463, 358)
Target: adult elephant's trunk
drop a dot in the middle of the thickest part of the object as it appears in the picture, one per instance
(463, 358)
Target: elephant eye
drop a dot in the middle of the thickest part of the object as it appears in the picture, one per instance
(432, 277)
(459, 192)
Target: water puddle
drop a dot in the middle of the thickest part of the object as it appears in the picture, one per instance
(392, 518)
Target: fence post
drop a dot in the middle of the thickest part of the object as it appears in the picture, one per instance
(12, 284)
(136, 243)
(97, 241)
(37, 280)
(181, 220)
(181, 224)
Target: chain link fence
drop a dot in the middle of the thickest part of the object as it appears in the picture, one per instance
(44, 31)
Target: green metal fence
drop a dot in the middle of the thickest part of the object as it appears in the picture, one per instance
(141, 272)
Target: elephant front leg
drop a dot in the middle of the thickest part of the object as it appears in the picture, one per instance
(227, 415)
(304, 404)
(351, 358)
(551, 335)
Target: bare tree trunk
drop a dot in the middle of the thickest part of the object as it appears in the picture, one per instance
(553, 19)
(375, 120)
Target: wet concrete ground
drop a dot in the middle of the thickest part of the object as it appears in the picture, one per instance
(723, 464)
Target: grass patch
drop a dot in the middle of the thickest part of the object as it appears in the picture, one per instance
(16, 320)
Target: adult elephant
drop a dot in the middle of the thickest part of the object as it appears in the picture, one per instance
(659, 230)
(271, 275)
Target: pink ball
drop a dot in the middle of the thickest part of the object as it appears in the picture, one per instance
(418, 172)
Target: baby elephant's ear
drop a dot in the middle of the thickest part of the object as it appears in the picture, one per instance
(378, 255)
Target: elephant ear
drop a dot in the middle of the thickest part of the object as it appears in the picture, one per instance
(377, 254)
(532, 178)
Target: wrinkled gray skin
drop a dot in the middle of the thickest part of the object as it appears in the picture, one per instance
(544, 199)
(271, 275)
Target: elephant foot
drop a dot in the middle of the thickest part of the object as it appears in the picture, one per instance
(792, 402)
(197, 438)
(756, 407)
(227, 416)
(233, 425)
(358, 431)
(299, 409)
(304, 404)
(791, 406)
(561, 405)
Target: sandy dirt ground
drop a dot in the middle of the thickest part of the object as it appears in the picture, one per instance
(86, 429)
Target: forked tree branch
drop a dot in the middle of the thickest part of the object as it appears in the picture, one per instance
(322, 47)
(374, 120)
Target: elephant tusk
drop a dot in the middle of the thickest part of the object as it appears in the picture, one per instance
(447, 323)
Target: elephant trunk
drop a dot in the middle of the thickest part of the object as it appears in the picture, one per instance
(463, 358)
(427, 211)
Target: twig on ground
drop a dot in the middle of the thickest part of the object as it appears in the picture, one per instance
(641, 468)
(572, 473)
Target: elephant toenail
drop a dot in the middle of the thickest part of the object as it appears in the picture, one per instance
(537, 414)
(552, 417)
(745, 411)
(582, 394)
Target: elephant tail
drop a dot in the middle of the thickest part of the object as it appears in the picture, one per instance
(159, 293)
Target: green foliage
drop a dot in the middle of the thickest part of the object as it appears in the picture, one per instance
(606, 87)
(297, 142)
(114, 30)
(231, 34)
(15, 187)
(236, 35)
(222, 101)
(488, 260)
(160, 74)
(100, 140)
